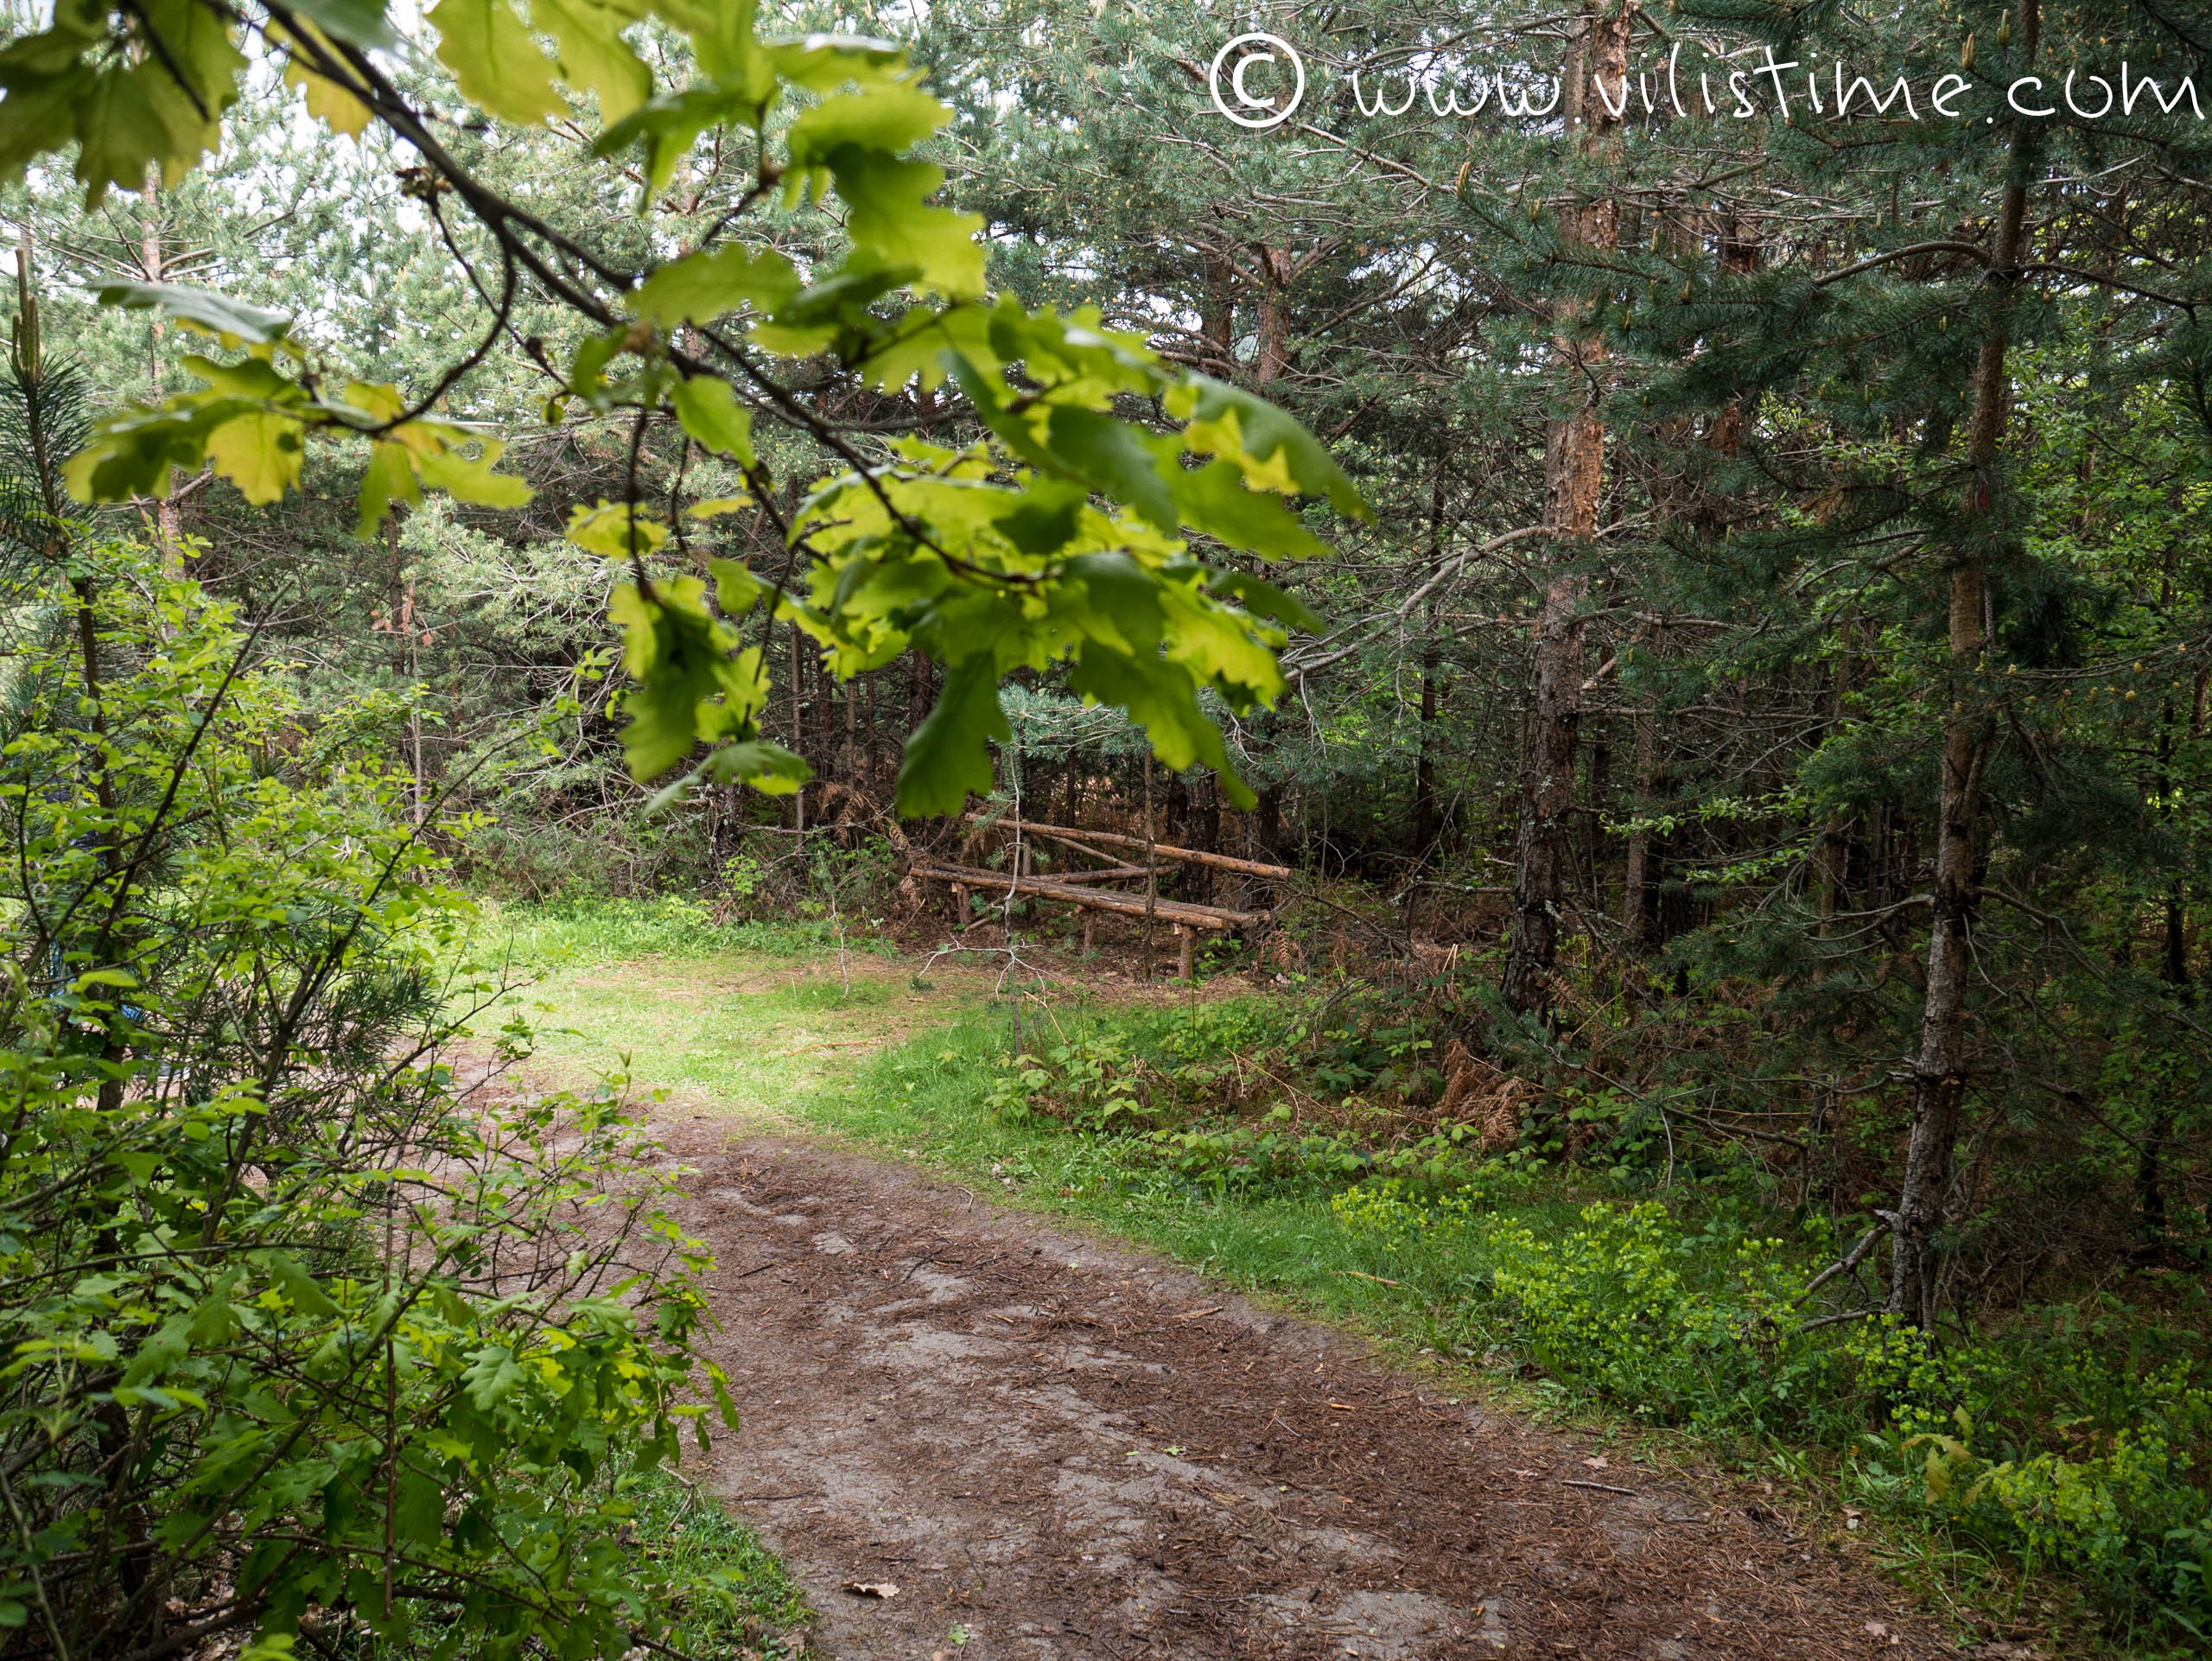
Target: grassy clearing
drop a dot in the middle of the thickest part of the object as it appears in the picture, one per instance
(742, 1020)
(1667, 1331)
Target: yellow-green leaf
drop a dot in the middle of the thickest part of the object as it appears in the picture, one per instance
(885, 119)
(769, 768)
(444, 468)
(495, 61)
(736, 589)
(260, 453)
(595, 55)
(701, 287)
(389, 478)
(616, 530)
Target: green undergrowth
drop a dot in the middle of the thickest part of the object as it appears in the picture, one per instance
(2046, 1477)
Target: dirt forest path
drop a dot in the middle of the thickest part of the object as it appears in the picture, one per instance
(1070, 1452)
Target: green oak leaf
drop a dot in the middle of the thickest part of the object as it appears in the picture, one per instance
(362, 23)
(231, 321)
(260, 452)
(617, 531)
(494, 60)
(1122, 463)
(701, 287)
(1273, 451)
(1162, 699)
(442, 466)
(389, 478)
(709, 411)
(689, 684)
(1214, 499)
(593, 54)
(892, 223)
(668, 124)
(949, 755)
(892, 118)
(769, 768)
(299, 1287)
(1266, 600)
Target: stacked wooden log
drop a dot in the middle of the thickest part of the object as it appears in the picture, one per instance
(1116, 882)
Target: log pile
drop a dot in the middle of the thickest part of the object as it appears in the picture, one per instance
(1106, 887)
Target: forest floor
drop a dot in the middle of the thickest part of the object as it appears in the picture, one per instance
(1054, 1445)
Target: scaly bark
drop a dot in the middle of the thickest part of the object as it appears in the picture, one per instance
(1427, 818)
(1574, 480)
(1941, 1069)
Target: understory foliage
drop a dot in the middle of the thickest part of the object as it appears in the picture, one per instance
(840, 461)
(303, 1342)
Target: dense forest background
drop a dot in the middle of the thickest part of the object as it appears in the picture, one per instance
(1877, 460)
(1761, 732)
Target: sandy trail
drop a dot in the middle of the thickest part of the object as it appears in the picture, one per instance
(1071, 1451)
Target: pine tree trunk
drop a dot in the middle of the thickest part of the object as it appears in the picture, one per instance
(1831, 854)
(1217, 319)
(1199, 879)
(1271, 357)
(1574, 480)
(1175, 827)
(1426, 815)
(849, 694)
(1636, 865)
(1940, 1070)
(919, 691)
(2150, 1154)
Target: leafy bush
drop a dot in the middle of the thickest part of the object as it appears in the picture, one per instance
(298, 1339)
(1612, 1302)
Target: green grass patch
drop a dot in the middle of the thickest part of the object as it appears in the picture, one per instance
(746, 1602)
(729, 1019)
(602, 928)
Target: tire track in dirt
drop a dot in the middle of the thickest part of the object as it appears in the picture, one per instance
(1077, 1452)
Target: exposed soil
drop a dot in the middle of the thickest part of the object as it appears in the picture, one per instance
(1074, 1451)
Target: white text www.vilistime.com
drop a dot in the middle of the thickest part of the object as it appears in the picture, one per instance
(1786, 86)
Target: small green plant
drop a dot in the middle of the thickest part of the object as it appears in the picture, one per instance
(1086, 1082)
(742, 876)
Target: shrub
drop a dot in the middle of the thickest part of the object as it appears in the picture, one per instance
(295, 1335)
